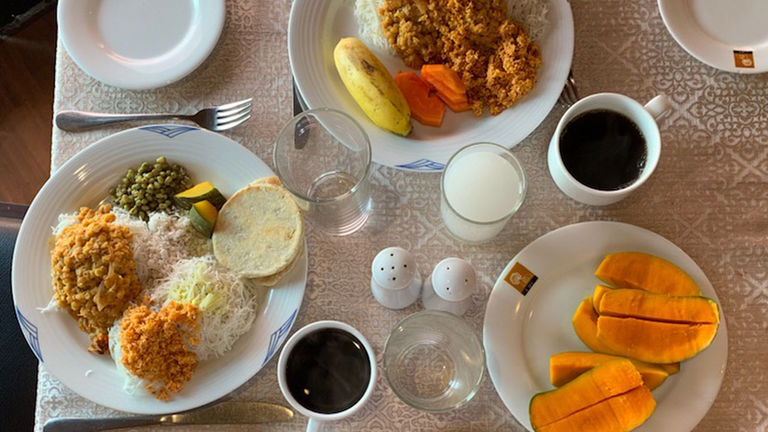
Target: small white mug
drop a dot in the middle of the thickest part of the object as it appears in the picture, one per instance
(316, 419)
(644, 117)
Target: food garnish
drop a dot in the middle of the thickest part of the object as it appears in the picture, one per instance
(204, 191)
(426, 107)
(94, 273)
(150, 188)
(448, 86)
(371, 86)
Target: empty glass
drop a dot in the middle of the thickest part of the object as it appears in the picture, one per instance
(434, 361)
(323, 157)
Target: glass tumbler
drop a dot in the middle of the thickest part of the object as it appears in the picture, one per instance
(481, 187)
(323, 157)
(434, 361)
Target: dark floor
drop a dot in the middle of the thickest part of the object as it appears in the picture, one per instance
(27, 61)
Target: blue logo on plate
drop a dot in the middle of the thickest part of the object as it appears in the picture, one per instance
(30, 333)
(277, 337)
(169, 131)
(423, 165)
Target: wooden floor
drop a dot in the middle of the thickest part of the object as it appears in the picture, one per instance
(26, 108)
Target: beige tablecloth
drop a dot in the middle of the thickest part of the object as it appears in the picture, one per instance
(709, 196)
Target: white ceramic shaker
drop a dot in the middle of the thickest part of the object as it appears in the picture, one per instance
(395, 280)
(450, 286)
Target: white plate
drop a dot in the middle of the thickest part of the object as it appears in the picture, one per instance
(521, 332)
(83, 181)
(316, 26)
(140, 44)
(729, 35)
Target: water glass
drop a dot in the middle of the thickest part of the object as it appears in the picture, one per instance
(482, 186)
(323, 157)
(434, 361)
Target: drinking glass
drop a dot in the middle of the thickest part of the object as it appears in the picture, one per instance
(434, 361)
(323, 157)
(482, 186)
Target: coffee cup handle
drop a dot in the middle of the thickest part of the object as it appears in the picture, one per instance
(313, 425)
(658, 106)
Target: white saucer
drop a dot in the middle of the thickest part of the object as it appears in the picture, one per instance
(727, 35)
(140, 44)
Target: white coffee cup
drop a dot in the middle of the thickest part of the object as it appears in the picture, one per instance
(315, 418)
(644, 117)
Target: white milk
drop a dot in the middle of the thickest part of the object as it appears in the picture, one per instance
(483, 187)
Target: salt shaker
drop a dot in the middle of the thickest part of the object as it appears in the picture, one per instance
(450, 286)
(395, 280)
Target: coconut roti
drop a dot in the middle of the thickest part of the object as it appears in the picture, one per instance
(259, 231)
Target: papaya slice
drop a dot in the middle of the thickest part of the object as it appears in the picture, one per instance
(596, 385)
(585, 325)
(623, 412)
(598, 294)
(630, 303)
(653, 341)
(671, 368)
(639, 270)
(566, 366)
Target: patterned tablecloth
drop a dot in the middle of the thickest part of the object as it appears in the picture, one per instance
(709, 196)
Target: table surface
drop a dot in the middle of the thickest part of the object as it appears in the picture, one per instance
(709, 195)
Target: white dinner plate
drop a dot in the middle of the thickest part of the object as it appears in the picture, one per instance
(521, 332)
(84, 181)
(316, 26)
(729, 35)
(140, 44)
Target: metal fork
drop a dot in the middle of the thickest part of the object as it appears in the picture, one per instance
(570, 94)
(217, 118)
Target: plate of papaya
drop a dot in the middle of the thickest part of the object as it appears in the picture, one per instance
(605, 326)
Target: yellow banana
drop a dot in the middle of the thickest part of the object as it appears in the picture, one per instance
(372, 87)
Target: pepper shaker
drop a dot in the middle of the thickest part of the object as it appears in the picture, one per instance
(395, 280)
(450, 286)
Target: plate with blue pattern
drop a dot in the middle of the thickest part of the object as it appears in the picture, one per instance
(314, 29)
(84, 181)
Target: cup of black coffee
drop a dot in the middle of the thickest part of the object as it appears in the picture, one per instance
(326, 371)
(606, 146)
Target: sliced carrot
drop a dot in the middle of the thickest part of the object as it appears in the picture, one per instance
(425, 107)
(448, 85)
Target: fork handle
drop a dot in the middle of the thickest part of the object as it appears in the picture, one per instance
(75, 121)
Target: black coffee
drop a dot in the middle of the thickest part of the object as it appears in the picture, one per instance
(328, 371)
(603, 150)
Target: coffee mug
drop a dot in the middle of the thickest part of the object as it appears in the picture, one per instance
(644, 117)
(326, 371)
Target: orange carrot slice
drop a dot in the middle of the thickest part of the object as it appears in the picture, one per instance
(448, 85)
(425, 107)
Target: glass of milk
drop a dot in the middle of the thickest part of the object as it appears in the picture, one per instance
(482, 186)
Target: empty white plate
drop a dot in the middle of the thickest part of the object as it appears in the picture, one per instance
(140, 44)
(728, 35)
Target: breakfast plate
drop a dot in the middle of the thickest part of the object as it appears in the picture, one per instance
(521, 332)
(138, 44)
(84, 181)
(316, 26)
(730, 36)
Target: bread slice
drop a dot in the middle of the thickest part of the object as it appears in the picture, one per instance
(259, 231)
(270, 281)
